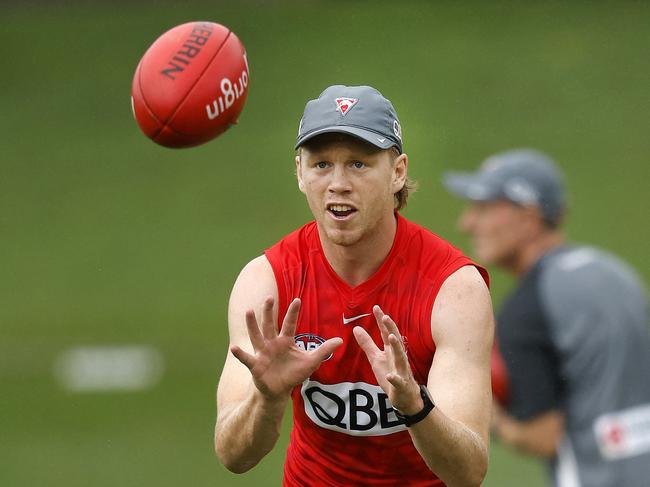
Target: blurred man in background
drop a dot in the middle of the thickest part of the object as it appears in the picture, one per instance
(573, 335)
(378, 295)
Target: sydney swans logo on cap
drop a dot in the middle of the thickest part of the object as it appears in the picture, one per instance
(344, 104)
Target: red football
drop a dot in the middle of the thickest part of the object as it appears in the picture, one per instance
(190, 85)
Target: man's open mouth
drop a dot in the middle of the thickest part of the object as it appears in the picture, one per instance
(341, 211)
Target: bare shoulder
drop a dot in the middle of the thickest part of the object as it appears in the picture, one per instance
(465, 280)
(256, 277)
(255, 283)
(259, 267)
(462, 305)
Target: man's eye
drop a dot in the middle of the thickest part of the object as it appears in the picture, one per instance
(321, 165)
(358, 164)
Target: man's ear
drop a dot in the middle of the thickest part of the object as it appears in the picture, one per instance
(301, 185)
(400, 169)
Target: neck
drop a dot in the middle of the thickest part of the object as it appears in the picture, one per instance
(526, 258)
(356, 263)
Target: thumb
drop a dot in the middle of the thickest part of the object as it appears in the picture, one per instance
(326, 349)
(244, 357)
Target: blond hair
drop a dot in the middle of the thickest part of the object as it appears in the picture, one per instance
(410, 186)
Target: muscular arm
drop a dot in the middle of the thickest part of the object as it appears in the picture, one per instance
(248, 423)
(453, 438)
(263, 367)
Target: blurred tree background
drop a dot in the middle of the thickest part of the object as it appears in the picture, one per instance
(108, 240)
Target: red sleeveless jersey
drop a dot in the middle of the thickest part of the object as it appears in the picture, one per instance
(345, 431)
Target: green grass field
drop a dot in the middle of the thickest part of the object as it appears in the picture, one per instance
(108, 239)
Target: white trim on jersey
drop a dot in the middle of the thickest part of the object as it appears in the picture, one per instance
(566, 472)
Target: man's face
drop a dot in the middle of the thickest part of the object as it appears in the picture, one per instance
(349, 187)
(498, 230)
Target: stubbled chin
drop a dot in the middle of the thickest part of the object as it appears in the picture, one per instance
(344, 238)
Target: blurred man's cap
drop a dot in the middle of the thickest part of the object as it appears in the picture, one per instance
(524, 176)
(360, 111)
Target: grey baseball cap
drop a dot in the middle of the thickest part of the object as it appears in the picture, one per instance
(360, 111)
(524, 176)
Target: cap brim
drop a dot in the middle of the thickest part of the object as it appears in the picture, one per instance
(469, 186)
(365, 135)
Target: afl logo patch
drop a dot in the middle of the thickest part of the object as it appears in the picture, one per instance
(308, 342)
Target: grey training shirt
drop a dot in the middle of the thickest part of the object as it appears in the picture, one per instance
(575, 336)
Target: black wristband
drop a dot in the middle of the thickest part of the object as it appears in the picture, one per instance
(419, 416)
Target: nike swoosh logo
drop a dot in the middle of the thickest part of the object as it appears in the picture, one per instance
(354, 318)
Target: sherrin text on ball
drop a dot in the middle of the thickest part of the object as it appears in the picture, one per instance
(191, 84)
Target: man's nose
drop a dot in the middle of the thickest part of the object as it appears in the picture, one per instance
(340, 181)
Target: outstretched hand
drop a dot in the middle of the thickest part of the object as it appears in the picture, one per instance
(390, 365)
(278, 365)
